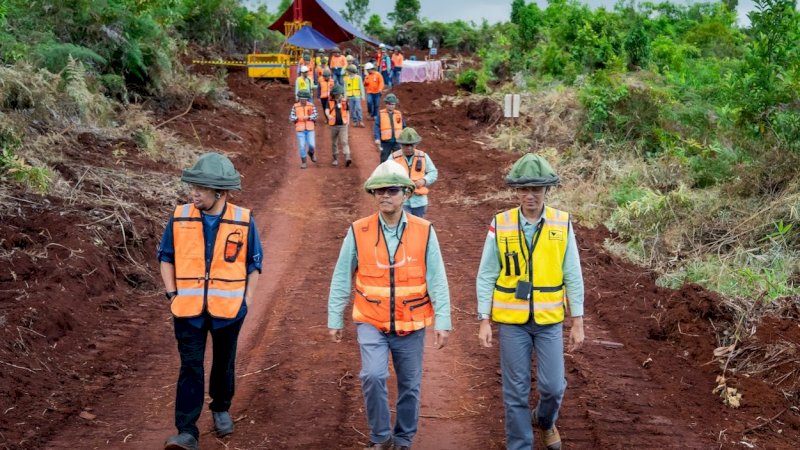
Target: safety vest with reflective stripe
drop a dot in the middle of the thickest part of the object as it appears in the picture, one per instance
(392, 296)
(387, 125)
(304, 84)
(416, 169)
(549, 247)
(325, 87)
(220, 290)
(352, 85)
(304, 122)
(332, 112)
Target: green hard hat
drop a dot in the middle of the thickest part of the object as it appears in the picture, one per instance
(409, 136)
(326, 72)
(388, 174)
(337, 90)
(336, 50)
(352, 68)
(532, 170)
(304, 94)
(215, 171)
(391, 98)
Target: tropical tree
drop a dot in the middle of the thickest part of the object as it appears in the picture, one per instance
(355, 11)
(405, 11)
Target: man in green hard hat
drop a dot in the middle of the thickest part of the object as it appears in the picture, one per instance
(389, 123)
(400, 290)
(420, 169)
(338, 114)
(529, 271)
(211, 258)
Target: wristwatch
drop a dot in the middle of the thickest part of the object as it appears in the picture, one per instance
(483, 316)
(171, 295)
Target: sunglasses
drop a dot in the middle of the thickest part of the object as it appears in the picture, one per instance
(392, 191)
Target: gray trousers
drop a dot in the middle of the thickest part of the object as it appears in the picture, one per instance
(339, 136)
(517, 344)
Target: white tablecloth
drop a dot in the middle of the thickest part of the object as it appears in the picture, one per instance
(419, 71)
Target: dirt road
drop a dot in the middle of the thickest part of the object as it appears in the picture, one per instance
(295, 389)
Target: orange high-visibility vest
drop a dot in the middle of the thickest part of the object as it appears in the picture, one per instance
(220, 290)
(325, 87)
(373, 82)
(397, 60)
(416, 170)
(387, 125)
(332, 112)
(304, 122)
(392, 297)
(337, 61)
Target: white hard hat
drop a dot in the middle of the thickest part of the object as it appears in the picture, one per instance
(303, 69)
(369, 66)
(382, 46)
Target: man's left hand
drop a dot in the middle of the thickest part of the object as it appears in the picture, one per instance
(440, 338)
(576, 336)
(420, 183)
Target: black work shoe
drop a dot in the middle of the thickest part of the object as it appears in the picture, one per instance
(223, 424)
(183, 441)
(348, 162)
(313, 158)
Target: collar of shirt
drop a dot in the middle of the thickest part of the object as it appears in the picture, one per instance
(524, 220)
(397, 229)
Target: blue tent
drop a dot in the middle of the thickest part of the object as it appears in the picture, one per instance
(308, 37)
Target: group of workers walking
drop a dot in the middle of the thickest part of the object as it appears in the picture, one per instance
(321, 76)
(391, 266)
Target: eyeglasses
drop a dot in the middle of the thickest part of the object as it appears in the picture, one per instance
(392, 191)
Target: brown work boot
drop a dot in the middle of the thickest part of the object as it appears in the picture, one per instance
(551, 439)
(387, 445)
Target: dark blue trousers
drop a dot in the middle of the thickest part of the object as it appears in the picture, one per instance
(192, 347)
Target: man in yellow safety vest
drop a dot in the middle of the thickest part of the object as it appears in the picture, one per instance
(529, 270)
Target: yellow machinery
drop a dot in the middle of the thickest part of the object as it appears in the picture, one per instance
(269, 65)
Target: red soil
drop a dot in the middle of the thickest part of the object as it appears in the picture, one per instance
(87, 330)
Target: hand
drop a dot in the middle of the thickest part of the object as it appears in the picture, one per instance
(336, 335)
(485, 333)
(576, 336)
(420, 183)
(440, 338)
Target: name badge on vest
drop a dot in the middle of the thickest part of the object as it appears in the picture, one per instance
(555, 235)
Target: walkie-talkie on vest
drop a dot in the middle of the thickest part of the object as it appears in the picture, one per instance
(233, 247)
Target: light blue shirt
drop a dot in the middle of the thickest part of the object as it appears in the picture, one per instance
(431, 174)
(489, 269)
(346, 266)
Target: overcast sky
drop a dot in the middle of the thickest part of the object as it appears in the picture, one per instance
(474, 10)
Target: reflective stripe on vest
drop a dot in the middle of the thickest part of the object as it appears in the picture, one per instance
(304, 122)
(332, 113)
(387, 125)
(549, 296)
(221, 290)
(353, 86)
(392, 297)
(416, 170)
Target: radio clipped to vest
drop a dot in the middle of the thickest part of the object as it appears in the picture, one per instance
(233, 245)
(418, 165)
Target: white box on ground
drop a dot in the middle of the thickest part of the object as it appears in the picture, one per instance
(511, 105)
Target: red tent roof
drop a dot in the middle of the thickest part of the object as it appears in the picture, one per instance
(323, 18)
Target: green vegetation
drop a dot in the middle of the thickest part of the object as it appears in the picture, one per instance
(689, 140)
(71, 64)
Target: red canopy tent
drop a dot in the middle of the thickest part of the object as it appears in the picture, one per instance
(323, 19)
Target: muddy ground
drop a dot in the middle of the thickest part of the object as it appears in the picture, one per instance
(89, 361)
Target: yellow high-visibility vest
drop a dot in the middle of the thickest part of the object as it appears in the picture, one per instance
(544, 268)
